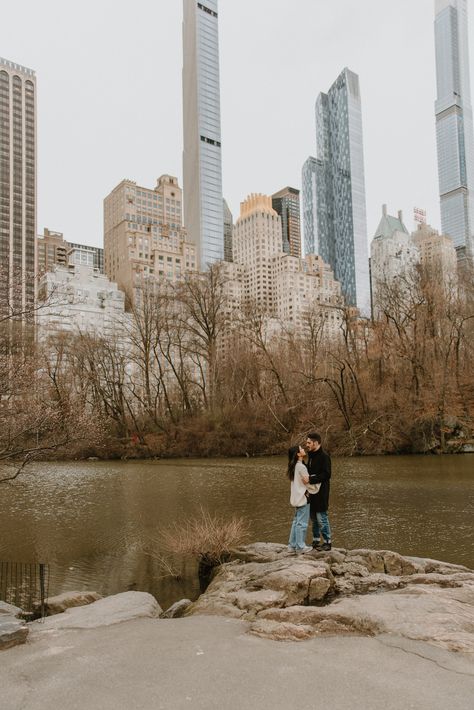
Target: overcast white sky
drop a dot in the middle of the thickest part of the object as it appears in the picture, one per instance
(109, 97)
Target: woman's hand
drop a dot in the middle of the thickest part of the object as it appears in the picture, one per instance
(305, 478)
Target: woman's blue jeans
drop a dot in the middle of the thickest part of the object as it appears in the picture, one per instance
(299, 527)
(321, 525)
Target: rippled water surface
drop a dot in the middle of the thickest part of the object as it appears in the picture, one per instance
(89, 520)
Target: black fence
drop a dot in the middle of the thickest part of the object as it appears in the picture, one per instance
(25, 585)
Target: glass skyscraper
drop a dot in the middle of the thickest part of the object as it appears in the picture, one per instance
(17, 187)
(454, 126)
(286, 203)
(202, 168)
(312, 178)
(341, 225)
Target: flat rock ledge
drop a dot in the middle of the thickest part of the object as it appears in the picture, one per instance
(104, 612)
(364, 592)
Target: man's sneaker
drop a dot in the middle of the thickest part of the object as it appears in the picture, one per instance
(317, 545)
(301, 550)
(326, 547)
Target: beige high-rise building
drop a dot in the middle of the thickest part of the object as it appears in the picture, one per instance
(437, 252)
(256, 240)
(285, 287)
(17, 187)
(51, 250)
(144, 236)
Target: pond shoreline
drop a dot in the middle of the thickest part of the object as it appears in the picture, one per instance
(141, 455)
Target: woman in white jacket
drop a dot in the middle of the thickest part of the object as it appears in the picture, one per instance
(299, 478)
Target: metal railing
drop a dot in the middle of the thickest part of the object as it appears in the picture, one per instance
(25, 585)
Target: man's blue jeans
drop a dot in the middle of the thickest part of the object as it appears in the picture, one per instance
(321, 525)
(299, 527)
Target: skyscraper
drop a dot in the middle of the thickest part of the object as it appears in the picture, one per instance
(454, 126)
(286, 203)
(309, 182)
(17, 187)
(340, 186)
(202, 169)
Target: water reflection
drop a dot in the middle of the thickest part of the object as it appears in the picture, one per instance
(89, 520)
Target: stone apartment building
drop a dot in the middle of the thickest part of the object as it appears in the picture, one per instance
(144, 236)
(78, 298)
(283, 286)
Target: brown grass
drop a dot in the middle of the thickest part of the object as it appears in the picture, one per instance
(208, 537)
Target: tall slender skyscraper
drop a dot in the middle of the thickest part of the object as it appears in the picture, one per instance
(340, 186)
(17, 187)
(454, 126)
(202, 167)
(286, 203)
(310, 181)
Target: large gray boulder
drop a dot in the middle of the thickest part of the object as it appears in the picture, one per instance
(363, 592)
(105, 612)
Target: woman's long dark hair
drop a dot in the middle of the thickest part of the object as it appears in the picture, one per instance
(292, 461)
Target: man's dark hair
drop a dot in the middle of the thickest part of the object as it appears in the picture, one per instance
(314, 437)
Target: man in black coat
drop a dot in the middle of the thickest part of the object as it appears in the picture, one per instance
(319, 470)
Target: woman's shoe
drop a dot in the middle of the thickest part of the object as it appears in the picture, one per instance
(304, 549)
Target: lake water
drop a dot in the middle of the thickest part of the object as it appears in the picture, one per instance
(89, 520)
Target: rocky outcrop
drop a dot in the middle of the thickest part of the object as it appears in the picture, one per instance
(365, 592)
(105, 612)
(176, 610)
(68, 600)
(13, 630)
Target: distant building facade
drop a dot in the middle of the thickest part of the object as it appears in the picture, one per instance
(392, 254)
(17, 187)
(286, 203)
(202, 162)
(340, 185)
(284, 287)
(143, 234)
(79, 298)
(257, 238)
(437, 253)
(53, 250)
(454, 125)
(309, 183)
(228, 227)
(86, 255)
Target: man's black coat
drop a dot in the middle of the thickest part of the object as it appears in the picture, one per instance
(319, 469)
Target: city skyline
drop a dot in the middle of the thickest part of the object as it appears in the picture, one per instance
(400, 149)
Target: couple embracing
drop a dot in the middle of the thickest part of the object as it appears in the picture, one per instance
(309, 495)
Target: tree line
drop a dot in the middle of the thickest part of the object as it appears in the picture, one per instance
(188, 373)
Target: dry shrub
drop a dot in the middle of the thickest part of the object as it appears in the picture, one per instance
(208, 537)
